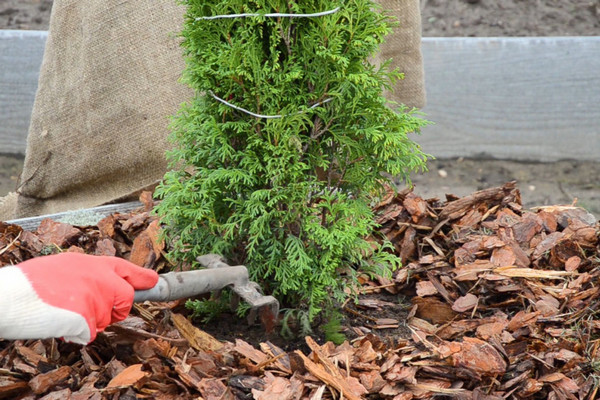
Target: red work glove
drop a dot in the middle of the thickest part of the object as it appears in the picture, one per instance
(70, 295)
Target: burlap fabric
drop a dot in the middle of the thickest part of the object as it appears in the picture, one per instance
(403, 47)
(8, 205)
(107, 86)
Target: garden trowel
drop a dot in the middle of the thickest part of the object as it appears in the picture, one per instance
(217, 275)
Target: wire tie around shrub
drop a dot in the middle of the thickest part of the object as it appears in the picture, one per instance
(262, 115)
(271, 15)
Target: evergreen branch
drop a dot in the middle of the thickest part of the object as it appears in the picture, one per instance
(287, 195)
(317, 131)
(270, 15)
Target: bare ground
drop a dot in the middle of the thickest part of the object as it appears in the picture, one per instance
(440, 17)
(25, 14)
(511, 17)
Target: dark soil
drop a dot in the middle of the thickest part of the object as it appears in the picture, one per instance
(356, 320)
(511, 17)
(440, 17)
(25, 14)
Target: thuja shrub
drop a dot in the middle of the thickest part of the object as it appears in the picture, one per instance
(287, 142)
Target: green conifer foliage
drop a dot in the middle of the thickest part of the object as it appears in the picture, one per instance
(286, 193)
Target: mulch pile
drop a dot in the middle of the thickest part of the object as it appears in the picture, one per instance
(503, 305)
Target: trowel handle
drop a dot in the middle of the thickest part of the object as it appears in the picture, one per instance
(179, 285)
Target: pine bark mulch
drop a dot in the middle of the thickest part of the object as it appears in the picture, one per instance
(503, 304)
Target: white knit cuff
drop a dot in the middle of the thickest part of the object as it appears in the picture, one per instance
(23, 315)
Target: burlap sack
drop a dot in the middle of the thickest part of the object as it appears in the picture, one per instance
(8, 205)
(107, 86)
(403, 47)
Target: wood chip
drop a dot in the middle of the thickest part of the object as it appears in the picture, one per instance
(198, 339)
(128, 377)
(44, 382)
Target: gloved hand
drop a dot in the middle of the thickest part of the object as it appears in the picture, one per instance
(70, 295)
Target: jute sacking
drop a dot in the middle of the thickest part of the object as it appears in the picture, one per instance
(403, 47)
(107, 87)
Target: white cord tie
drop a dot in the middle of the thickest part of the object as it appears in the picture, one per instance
(270, 15)
(262, 115)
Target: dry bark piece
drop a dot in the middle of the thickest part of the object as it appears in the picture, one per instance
(105, 247)
(56, 233)
(246, 350)
(416, 206)
(565, 214)
(402, 373)
(335, 380)
(573, 263)
(198, 339)
(373, 304)
(548, 243)
(31, 241)
(548, 219)
(11, 387)
(529, 225)
(246, 383)
(20, 366)
(386, 323)
(279, 359)
(372, 381)
(425, 288)
(521, 319)
(408, 246)
(328, 373)
(44, 382)
(479, 357)
(214, 389)
(147, 246)
(470, 219)
(503, 257)
(114, 367)
(513, 272)
(472, 271)
(134, 221)
(460, 207)
(440, 288)
(485, 331)
(433, 309)
(547, 305)
(58, 395)
(30, 355)
(275, 388)
(147, 200)
(365, 353)
(106, 226)
(465, 303)
(429, 388)
(390, 213)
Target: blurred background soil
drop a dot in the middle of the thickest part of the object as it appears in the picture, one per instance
(511, 17)
(540, 183)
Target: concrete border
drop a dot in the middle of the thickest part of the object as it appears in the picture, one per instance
(526, 98)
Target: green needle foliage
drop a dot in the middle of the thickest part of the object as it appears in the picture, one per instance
(288, 196)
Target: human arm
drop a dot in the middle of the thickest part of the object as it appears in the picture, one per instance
(69, 295)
